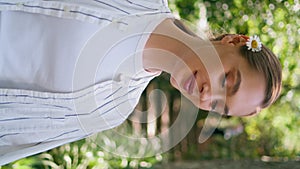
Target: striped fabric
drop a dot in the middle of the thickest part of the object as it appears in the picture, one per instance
(46, 120)
(34, 121)
(93, 11)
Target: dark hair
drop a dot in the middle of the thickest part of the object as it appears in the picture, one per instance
(264, 61)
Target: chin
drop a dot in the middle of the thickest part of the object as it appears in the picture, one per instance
(173, 83)
(201, 106)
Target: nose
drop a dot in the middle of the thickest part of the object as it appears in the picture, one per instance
(205, 94)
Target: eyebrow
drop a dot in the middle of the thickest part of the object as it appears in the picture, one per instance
(237, 85)
(233, 91)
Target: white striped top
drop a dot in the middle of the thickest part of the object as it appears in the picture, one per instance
(70, 68)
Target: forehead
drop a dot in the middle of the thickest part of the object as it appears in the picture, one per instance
(250, 95)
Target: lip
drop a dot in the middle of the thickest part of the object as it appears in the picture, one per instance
(190, 83)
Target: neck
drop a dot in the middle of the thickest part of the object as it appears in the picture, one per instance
(166, 46)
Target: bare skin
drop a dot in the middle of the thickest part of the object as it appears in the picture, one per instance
(178, 54)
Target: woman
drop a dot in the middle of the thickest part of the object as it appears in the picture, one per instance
(72, 69)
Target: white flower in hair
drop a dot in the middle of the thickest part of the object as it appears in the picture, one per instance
(254, 43)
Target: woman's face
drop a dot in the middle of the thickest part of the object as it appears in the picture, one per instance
(245, 87)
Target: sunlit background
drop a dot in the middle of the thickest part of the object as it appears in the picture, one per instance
(273, 135)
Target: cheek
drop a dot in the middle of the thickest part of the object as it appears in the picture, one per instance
(245, 102)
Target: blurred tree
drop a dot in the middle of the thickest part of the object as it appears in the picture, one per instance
(276, 130)
(188, 9)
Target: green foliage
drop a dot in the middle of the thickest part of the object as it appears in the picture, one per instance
(275, 131)
(188, 9)
(101, 152)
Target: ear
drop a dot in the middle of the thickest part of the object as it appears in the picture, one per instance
(234, 40)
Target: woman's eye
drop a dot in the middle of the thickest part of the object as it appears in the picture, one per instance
(224, 80)
(214, 105)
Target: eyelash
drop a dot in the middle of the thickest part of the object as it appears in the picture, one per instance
(214, 105)
(226, 111)
(224, 80)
